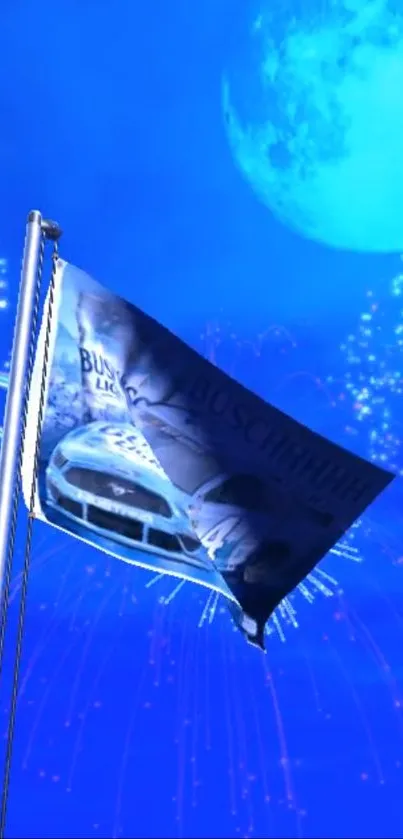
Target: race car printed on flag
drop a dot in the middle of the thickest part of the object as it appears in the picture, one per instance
(152, 454)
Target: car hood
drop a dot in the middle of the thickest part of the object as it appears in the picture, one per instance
(95, 447)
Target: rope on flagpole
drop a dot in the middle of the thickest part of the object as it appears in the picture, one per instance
(51, 232)
(18, 479)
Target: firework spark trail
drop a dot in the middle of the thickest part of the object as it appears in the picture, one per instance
(320, 586)
(277, 627)
(362, 714)
(381, 662)
(238, 699)
(188, 731)
(104, 661)
(160, 650)
(55, 675)
(155, 639)
(380, 535)
(312, 680)
(343, 612)
(154, 580)
(45, 638)
(184, 669)
(389, 603)
(196, 718)
(285, 761)
(45, 696)
(320, 384)
(261, 752)
(374, 377)
(125, 592)
(227, 714)
(37, 564)
(43, 642)
(207, 694)
(169, 598)
(213, 606)
(96, 617)
(117, 828)
(321, 573)
(169, 623)
(216, 335)
(85, 588)
(206, 609)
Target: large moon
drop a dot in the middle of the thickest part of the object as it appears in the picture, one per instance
(313, 107)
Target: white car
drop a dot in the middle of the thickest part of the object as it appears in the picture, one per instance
(106, 477)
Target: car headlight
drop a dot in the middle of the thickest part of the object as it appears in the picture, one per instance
(52, 490)
(59, 460)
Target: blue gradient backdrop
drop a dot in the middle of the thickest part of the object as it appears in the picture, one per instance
(133, 720)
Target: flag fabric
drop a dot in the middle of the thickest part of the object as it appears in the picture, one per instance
(151, 453)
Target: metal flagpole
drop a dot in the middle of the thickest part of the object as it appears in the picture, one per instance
(22, 365)
(37, 231)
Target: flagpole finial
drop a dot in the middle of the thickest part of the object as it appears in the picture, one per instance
(34, 215)
(51, 230)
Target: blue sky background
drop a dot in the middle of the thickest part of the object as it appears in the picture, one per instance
(133, 720)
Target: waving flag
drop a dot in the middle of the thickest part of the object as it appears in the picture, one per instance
(154, 455)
